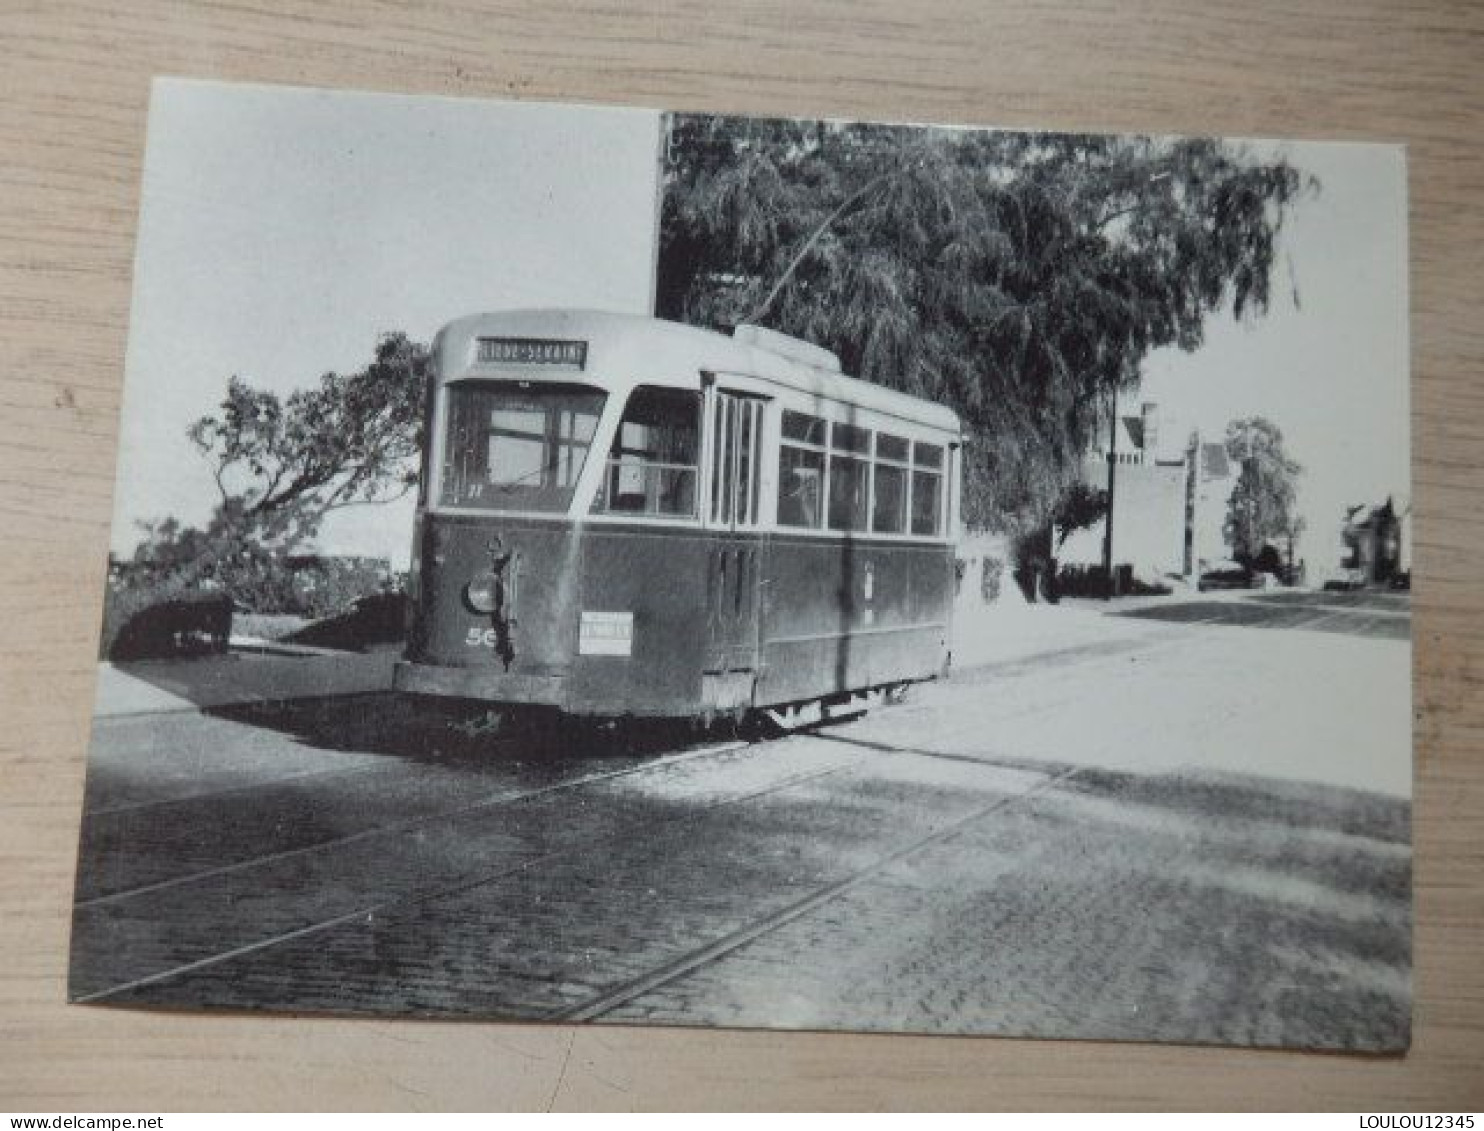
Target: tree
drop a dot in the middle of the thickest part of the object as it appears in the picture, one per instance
(1081, 506)
(1260, 509)
(282, 465)
(1018, 277)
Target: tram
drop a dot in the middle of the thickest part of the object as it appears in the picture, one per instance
(622, 516)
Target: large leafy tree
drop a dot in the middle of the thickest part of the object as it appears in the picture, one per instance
(1019, 277)
(1260, 509)
(283, 464)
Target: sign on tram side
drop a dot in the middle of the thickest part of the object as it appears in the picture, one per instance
(849, 576)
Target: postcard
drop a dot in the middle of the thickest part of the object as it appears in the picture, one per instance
(624, 566)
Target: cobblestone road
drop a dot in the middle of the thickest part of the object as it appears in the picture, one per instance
(931, 868)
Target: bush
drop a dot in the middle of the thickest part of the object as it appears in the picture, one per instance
(1082, 581)
(327, 586)
(258, 578)
(259, 581)
(1092, 581)
(164, 620)
(379, 619)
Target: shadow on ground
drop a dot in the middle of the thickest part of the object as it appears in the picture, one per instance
(428, 730)
(1204, 795)
(1282, 611)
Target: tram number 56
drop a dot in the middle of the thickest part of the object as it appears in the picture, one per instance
(480, 638)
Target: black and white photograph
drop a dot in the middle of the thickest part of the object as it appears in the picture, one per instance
(659, 568)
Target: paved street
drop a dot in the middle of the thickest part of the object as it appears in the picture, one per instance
(1137, 832)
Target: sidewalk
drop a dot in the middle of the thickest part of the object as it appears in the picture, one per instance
(1154, 696)
(217, 681)
(1011, 629)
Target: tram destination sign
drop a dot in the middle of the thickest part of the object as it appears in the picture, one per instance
(562, 353)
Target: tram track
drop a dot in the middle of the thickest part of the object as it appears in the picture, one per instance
(398, 828)
(408, 896)
(366, 911)
(498, 747)
(608, 906)
(678, 968)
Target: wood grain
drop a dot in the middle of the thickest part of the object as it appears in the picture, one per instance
(72, 118)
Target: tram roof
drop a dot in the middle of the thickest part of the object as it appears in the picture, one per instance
(634, 349)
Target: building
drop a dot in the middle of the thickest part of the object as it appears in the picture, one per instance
(1170, 497)
(1375, 547)
(1212, 477)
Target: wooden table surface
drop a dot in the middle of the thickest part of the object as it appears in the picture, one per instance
(75, 86)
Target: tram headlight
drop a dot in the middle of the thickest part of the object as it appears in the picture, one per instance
(480, 592)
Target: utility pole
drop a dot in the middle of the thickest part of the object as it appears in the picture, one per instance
(1109, 585)
(1192, 499)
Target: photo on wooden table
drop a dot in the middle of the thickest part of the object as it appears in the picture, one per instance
(640, 567)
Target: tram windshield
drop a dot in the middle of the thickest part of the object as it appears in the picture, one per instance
(517, 445)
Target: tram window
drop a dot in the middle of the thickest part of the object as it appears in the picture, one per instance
(849, 438)
(652, 465)
(927, 489)
(927, 502)
(747, 412)
(889, 489)
(723, 451)
(891, 447)
(800, 474)
(848, 492)
(736, 447)
(513, 446)
(927, 455)
(803, 428)
(889, 511)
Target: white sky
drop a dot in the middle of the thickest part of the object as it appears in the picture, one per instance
(282, 230)
(1333, 373)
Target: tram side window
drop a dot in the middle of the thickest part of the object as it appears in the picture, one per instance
(850, 477)
(801, 428)
(652, 465)
(736, 445)
(889, 510)
(927, 489)
(801, 457)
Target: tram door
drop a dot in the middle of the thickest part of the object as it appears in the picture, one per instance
(736, 555)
